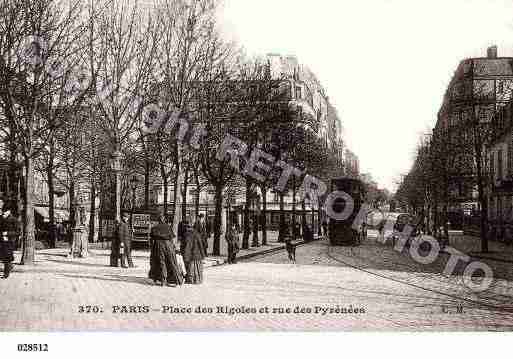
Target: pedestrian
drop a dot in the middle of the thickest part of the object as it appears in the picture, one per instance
(209, 228)
(69, 233)
(232, 240)
(9, 234)
(52, 235)
(307, 233)
(182, 225)
(61, 232)
(115, 246)
(193, 256)
(125, 241)
(297, 230)
(201, 227)
(325, 227)
(289, 246)
(164, 267)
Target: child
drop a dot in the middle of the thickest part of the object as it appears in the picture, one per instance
(291, 249)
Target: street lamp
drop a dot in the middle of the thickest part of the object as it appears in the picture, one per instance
(133, 184)
(255, 201)
(116, 167)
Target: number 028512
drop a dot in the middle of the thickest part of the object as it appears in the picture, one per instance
(32, 347)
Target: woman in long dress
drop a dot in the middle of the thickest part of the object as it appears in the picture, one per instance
(193, 256)
(164, 267)
(232, 239)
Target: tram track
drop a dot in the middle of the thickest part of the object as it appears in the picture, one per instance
(472, 302)
(422, 277)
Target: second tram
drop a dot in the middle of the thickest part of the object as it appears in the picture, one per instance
(340, 232)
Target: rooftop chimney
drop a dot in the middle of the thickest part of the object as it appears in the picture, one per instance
(492, 52)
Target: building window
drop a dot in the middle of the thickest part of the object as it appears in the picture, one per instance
(298, 93)
(483, 116)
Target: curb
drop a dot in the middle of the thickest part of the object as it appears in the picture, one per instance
(481, 257)
(488, 258)
(492, 259)
(271, 250)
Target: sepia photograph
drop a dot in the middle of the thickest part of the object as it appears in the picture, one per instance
(255, 166)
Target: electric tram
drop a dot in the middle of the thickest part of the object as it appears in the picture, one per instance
(340, 232)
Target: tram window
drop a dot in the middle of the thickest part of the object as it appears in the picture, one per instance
(339, 205)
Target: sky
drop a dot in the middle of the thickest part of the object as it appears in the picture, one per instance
(385, 64)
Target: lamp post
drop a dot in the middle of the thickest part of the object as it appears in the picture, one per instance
(133, 184)
(116, 167)
(79, 245)
(256, 214)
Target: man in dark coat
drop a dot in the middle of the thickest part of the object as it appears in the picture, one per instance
(125, 240)
(232, 240)
(61, 231)
(307, 233)
(193, 256)
(8, 236)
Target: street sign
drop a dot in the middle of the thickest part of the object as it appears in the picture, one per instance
(141, 220)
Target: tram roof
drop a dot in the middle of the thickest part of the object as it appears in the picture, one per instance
(347, 179)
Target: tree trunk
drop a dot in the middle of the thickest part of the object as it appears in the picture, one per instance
(303, 209)
(71, 194)
(12, 156)
(177, 215)
(29, 240)
(256, 222)
(263, 217)
(175, 196)
(147, 185)
(282, 218)
(197, 197)
(294, 207)
(432, 230)
(312, 210)
(51, 198)
(483, 204)
(101, 211)
(319, 217)
(92, 212)
(184, 192)
(165, 183)
(247, 229)
(218, 199)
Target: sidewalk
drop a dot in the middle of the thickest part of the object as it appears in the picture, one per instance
(98, 259)
(471, 245)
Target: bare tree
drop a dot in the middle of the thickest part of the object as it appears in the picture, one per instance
(188, 32)
(38, 48)
(122, 48)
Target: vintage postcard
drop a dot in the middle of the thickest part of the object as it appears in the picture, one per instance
(237, 165)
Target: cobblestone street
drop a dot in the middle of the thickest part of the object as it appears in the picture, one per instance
(394, 292)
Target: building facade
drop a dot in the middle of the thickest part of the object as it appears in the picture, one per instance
(351, 164)
(479, 89)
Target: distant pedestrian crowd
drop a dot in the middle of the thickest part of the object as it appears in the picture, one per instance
(169, 265)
